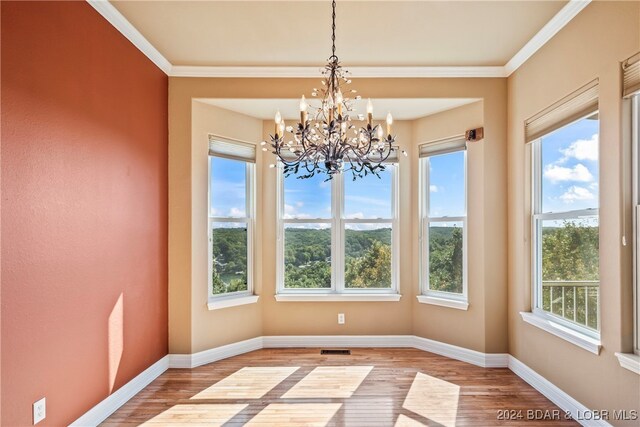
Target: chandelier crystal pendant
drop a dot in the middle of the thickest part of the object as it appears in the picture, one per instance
(329, 142)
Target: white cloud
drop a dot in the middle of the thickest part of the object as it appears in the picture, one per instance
(582, 149)
(368, 200)
(236, 212)
(433, 188)
(291, 211)
(575, 193)
(579, 172)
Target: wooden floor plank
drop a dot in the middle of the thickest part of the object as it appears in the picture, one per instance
(370, 387)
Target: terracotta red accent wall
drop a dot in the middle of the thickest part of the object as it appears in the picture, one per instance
(84, 210)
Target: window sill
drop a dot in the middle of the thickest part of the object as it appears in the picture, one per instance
(336, 297)
(219, 303)
(629, 361)
(576, 338)
(443, 302)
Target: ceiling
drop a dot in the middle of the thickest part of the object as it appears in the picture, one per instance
(402, 109)
(369, 33)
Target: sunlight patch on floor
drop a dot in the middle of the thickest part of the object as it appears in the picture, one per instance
(434, 399)
(198, 414)
(404, 421)
(295, 414)
(247, 383)
(329, 382)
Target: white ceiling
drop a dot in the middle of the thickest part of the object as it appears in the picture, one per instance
(370, 33)
(402, 109)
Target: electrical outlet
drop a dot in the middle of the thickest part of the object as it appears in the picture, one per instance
(39, 411)
(340, 318)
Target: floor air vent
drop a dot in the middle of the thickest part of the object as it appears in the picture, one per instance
(335, 351)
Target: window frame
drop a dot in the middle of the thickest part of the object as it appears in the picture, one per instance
(460, 299)
(338, 224)
(635, 141)
(248, 219)
(537, 218)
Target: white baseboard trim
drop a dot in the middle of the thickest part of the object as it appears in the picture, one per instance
(486, 360)
(214, 354)
(578, 411)
(115, 400)
(402, 341)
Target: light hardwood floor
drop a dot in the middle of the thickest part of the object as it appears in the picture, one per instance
(371, 387)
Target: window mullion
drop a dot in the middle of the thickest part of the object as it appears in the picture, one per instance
(337, 241)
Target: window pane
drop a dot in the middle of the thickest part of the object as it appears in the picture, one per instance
(446, 256)
(227, 187)
(229, 256)
(368, 197)
(446, 185)
(570, 167)
(570, 274)
(368, 255)
(307, 256)
(307, 198)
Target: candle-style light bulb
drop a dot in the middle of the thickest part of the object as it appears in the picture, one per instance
(278, 119)
(369, 112)
(339, 100)
(380, 133)
(303, 110)
(389, 123)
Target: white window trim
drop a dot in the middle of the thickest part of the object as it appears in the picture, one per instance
(335, 297)
(428, 296)
(579, 335)
(635, 147)
(242, 297)
(232, 301)
(629, 361)
(338, 290)
(569, 334)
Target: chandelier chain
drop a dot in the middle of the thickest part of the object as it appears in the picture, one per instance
(328, 142)
(333, 29)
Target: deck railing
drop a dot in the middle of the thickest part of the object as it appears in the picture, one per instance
(576, 301)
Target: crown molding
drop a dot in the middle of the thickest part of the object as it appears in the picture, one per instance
(562, 18)
(551, 28)
(115, 18)
(359, 72)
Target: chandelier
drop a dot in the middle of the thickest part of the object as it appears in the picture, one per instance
(325, 140)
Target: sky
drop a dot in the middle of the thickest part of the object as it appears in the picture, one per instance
(570, 167)
(446, 185)
(569, 182)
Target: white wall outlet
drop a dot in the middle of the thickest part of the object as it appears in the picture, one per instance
(340, 318)
(39, 411)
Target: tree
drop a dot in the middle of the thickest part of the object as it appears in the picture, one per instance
(372, 270)
(445, 259)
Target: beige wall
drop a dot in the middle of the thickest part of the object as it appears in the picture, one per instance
(590, 46)
(463, 328)
(193, 328)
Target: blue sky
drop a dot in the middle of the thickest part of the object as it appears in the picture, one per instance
(569, 181)
(570, 167)
(446, 185)
(227, 195)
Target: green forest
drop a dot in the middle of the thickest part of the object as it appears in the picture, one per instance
(569, 259)
(569, 256)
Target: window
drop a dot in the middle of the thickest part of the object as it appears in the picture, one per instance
(231, 218)
(338, 235)
(443, 220)
(635, 120)
(565, 225)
